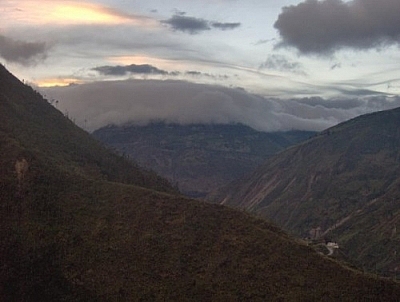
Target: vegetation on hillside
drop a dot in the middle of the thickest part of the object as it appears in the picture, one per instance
(44, 132)
(198, 158)
(75, 229)
(344, 181)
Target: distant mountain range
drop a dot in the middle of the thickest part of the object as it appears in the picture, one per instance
(343, 184)
(78, 223)
(198, 158)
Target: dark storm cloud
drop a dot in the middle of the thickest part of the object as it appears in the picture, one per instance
(21, 52)
(192, 25)
(322, 27)
(281, 63)
(129, 69)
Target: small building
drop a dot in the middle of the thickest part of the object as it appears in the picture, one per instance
(332, 245)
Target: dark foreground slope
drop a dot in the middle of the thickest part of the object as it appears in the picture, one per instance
(198, 158)
(44, 133)
(343, 184)
(72, 231)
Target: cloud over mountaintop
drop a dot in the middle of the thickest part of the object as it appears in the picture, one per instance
(98, 104)
(323, 27)
(192, 25)
(22, 52)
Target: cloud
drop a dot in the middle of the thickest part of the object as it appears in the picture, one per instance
(192, 25)
(22, 52)
(187, 24)
(323, 27)
(225, 26)
(263, 41)
(338, 103)
(113, 40)
(69, 12)
(194, 73)
(281, 63)
(98, 104)
(129, 69)
(147, 69)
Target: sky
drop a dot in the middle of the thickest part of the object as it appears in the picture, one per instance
(273, 65)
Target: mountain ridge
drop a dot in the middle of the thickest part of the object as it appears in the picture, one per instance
(84, 154)
(334, 180)
(197, 158)
(76, 227)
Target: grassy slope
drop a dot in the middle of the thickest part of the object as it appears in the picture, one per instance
(138, 244)
(348, 171)
(70, 235)
(44, 132)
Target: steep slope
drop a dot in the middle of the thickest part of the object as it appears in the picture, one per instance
(198, 158)
(69, 234)
(344, 182)
(28, 118)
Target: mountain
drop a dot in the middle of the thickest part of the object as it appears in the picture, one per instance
(342, 184)
(38, 132)
(78, 223)
(197, 158)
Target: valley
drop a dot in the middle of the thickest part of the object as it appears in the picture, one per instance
(80, 223)
(197, 158)
(344, 182)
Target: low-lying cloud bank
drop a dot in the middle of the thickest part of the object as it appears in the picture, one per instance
(98, 104)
